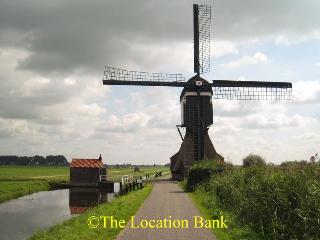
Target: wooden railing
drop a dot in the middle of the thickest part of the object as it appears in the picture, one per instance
(103, 178)
(126, 179)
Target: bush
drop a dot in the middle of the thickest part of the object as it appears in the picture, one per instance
(291, 164)
(253, 160)
(275, 202)
(202, 171)
(282, 205)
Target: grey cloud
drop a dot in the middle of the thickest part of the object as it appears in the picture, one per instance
(64, 36)
(235, 19)
(4, 134)
(15, 109)
(17, 105)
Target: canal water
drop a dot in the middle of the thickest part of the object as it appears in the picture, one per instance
(21, 217)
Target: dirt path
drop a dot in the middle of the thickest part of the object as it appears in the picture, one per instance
(166, 199)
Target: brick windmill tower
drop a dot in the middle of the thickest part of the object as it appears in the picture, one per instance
(197, 94)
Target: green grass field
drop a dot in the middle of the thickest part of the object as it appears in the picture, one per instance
(117, 173)
(16, 181)
(8, 173)
(12, 173)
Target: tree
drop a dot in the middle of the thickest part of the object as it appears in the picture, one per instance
(253, 160)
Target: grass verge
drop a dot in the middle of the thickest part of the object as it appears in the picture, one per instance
(76, 228)
(15, 189)
(233, 231)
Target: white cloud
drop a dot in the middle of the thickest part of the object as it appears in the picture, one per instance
(309, 136)
(257, 115)
(288, 39)
(222, 48)
(168, 57)
(306, 92)
(242, 78)
(16, 128)
(267, 128)
(275, 121)
(258, 58)
(33, 85)
(90, 110)
(227, 108)
(130, 122)
(282, 40)
(69, 81)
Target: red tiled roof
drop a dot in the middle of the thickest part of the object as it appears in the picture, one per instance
(86, 163)
(78, 210)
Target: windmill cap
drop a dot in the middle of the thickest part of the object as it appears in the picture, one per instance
(195, 84)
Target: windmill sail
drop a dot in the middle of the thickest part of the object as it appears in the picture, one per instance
(115, 76)
(201, 34)
(251, 90)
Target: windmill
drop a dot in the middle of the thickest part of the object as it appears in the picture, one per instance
(196, 96)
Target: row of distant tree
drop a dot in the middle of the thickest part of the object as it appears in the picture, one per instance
(58, 160)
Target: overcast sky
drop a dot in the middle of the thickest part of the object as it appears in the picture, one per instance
(53, 53)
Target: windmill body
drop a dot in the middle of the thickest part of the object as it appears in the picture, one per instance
(196, 118)
(197, 95)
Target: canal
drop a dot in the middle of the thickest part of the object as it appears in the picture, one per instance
(21, 217)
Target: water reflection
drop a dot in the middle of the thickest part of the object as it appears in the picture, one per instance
(21, 217)
(81, 199)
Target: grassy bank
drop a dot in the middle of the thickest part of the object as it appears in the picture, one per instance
(15, 189)
(77, 228)
(17, 181)
(260, 202)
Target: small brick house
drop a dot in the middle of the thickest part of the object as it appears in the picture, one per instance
(87, 172)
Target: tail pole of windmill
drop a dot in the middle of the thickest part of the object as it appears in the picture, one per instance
(197, 94)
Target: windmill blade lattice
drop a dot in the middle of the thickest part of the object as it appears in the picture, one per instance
(115, 76)
(251, 90)
(202, 25)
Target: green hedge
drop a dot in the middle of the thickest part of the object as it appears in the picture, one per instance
(202, 172)
(275, 202)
